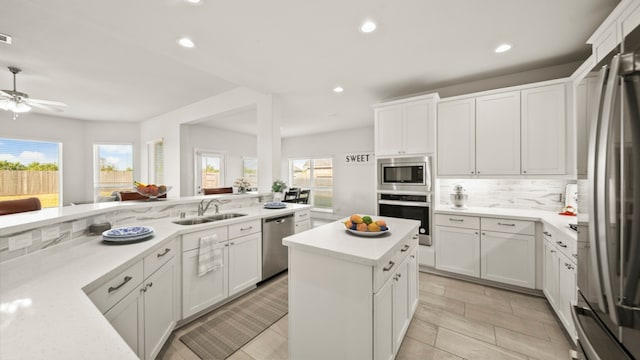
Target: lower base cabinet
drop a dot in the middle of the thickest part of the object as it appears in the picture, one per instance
(508, 258)
(145, 317)
(458, 250)
(559, 284)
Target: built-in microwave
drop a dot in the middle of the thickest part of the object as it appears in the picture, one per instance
(405, 174)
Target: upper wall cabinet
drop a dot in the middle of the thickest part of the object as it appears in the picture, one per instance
(543, 130)
(504, 133)
(406, 126)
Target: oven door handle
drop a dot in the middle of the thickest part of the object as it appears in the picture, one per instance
(405, 203)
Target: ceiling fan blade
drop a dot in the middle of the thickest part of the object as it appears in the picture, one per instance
(42, 106)
(31, 101)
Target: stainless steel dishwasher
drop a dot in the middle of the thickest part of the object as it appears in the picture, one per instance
(274, 255)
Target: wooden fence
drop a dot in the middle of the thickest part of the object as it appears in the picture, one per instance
(28, 182)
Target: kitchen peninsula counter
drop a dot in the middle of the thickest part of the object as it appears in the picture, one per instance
(45, 312)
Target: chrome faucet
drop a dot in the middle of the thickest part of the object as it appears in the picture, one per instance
(202, 207)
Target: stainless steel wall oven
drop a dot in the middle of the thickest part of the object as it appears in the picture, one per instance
(416, 207)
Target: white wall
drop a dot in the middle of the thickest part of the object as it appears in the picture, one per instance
(234, 145)
(354, 186)
(77, 138)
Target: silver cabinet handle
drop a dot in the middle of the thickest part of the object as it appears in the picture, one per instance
(505, 224)
(453, 219)
(303, 214)
(524, 171)
(126, 280)
(476, 233)
(150, 284)
(547, 233)
(247, 228)
(472, 172)
(389, 266)
(413, 256)
(568, 266)
(477, 172)
(405, 248)
(483, 234)
(166, 251)
(552, 251)
(561, 244)
(231, 243)
(415, 237)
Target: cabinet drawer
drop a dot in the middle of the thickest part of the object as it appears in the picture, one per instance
(192, 241)
(245, 228)
(382, 273)
(303, 215)
(564, 244)
(522, 227)
(461, 221)
(116, 288)
(159, 257)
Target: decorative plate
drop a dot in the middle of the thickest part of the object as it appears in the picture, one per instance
(126, 232)
(129, 240)
(275, 205)
(368, 233)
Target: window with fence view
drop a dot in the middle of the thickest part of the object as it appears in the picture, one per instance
(30, 169)
(316, 175)
(113, 170)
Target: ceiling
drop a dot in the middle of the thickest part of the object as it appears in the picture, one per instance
(118, 60)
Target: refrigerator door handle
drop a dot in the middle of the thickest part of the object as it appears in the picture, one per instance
(585, 344)
(604, 186)
(592, 170)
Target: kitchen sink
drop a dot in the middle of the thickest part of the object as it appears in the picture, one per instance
(206, 219)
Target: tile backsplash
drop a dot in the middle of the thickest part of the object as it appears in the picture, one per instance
(508, 193)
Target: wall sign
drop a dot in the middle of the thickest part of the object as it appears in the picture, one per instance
(359, 158)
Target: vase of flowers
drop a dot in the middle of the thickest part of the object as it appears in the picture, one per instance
(278, 188)
(242, 184)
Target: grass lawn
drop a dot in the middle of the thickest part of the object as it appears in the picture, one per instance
(47, 200)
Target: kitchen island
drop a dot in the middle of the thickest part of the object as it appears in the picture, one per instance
(351, 296)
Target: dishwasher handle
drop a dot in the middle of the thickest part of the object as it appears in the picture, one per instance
(278, 219)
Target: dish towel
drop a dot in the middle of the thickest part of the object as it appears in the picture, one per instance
(209, 257)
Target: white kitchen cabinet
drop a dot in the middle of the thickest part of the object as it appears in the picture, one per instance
(201, 292)
(567, 295)
(245, 256)
(406, 126)
(127, 317)
(384, 338)
(414, 281)
(550, 272)
(508, 258)
(302, 221)
(159, 305)
(498, 134)
(146, 316)
(543, 117)
(241, 247)
(401, 313)
(457, 137)
(458, 250)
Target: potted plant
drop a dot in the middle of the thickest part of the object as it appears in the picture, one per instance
(242, 184)
(278, 187)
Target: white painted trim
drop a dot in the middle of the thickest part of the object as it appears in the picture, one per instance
(506, 89)
(434, 96)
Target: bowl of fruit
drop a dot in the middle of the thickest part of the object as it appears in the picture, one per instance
(151, 191)
(365, 226)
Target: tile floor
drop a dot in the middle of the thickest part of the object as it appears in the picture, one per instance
(455, 320)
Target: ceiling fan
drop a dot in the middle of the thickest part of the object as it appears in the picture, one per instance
(19, 102)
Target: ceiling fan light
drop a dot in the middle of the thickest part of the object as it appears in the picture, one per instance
(20, 108)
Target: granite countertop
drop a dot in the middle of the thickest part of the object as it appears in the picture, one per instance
(560, 223)
(334, 240)
(44, 311)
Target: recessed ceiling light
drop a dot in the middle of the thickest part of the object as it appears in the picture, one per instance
(502, 48)
(186, 42)
(368, 26)
(194, 1)
(338, 89)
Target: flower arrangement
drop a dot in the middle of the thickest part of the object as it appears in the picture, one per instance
(278, 186)
(242, 184)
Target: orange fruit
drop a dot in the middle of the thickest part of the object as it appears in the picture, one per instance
(373, 227)
(381, 223)
(356, 219)
(362, 227)
(348, 224)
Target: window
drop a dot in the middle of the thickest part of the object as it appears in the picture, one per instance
(209, 168)
(113, 169)
(155, 149)
(30, 169)
(314, 174)
(250, 171)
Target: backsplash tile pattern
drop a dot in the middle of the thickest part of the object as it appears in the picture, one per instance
(508, 193)
(118, 217)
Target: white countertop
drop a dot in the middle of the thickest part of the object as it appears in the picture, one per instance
(44, 312)
(334, 240)
(557, 221)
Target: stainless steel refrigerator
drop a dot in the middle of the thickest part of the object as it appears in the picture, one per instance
(607, 315)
